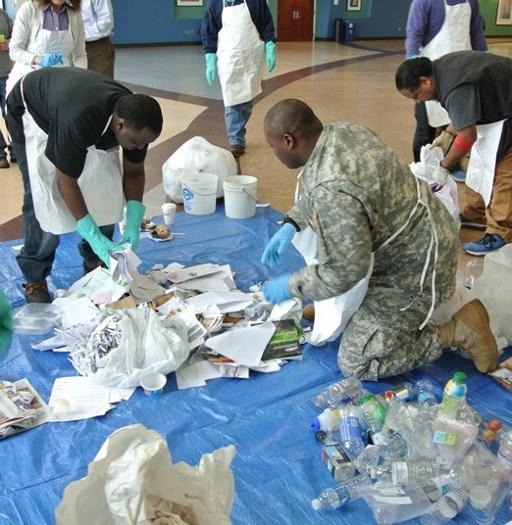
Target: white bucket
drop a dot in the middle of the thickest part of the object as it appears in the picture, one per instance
(199, 193)
(240, 196)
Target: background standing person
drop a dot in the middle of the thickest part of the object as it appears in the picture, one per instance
(5, 68)
(99, 23)
(47, 33)
(435, 28)
(234, 34)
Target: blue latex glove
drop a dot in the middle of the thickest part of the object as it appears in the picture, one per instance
(278, 244)
(211, 67)
(51, 59)
(134, 213)
(270, 55)
(101, 245)
(5, 324)
(277, 290)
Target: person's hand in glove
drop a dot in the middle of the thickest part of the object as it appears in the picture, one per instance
(270, 55)
(211, 67)
(278, 244)
(134, 214)
(5, 324)
(444, 141)
(277, 290)
(51, 59)
(101, 245)
(440, 176)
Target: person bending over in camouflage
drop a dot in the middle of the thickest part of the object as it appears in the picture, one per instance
(360, 199)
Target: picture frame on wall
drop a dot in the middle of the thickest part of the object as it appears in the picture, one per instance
(354, 5)
(504, 13)
(189, 3)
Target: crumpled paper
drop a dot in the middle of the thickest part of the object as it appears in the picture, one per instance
(132, 480)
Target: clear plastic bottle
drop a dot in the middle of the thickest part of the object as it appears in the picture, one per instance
(332, 395)
(326, 421)
(446, 508)
(419, 470)
(454, 396)
(373, 462)
(350, 429)
(403, 392)
(426, 393)
(374, 412)
(334, 498)
(505, 452)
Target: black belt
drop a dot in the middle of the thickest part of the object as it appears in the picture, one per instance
(98, 40)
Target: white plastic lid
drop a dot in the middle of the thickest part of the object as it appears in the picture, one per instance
(316, 504)
(480, 497)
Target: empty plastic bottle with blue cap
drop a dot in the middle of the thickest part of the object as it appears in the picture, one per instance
(332, 395)
(350, 428)
(334, 498)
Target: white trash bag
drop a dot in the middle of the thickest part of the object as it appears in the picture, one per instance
(197, 155)
(128, 344)
(132, 480)
(423, 170)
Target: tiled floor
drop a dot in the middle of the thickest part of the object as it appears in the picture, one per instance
(353, 83)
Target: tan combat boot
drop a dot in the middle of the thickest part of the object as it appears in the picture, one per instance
(309, 312)
(469, 329)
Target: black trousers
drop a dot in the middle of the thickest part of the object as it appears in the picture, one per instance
(424, 133)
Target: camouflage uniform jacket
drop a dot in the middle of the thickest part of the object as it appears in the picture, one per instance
(355, 193)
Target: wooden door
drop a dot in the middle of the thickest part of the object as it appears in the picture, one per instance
(295, 20)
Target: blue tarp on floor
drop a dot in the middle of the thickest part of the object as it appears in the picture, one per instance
(277, 467)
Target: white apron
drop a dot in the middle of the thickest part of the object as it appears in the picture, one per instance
(101, 183)
(482, 163)
(454, 35)
(239, 55)
(332, 315)
(46, 42)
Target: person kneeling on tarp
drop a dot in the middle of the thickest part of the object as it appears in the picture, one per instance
(362, 202)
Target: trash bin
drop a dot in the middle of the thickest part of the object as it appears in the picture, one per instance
(338, 30)
(349, 31)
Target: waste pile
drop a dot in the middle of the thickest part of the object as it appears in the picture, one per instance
(410, 454)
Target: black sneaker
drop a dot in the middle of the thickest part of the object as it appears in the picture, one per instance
(37, 292)
(4, 163)
(237, 150)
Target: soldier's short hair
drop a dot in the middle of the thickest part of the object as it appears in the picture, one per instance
(294, 117)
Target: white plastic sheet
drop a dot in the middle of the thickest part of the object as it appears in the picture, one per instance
(134, 469)
(197, 155)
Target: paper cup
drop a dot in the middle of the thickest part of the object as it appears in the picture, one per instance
(153, 383)
(169, 212)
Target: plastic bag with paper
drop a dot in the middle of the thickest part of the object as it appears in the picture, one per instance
(424, 170)
(197, 155)
(132, 480)
(128, 344)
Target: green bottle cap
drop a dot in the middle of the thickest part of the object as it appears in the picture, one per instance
(459, 378)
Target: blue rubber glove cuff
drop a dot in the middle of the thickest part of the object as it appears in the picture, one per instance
(6, 327)
(211, 67)
(134, 213)
(277, 290)
(270, 55)
(278, 244)
(100, 245)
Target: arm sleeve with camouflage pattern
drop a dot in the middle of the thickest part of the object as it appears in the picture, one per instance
(344, 246)
(297, 217)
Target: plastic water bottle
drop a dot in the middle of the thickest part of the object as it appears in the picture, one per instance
(446, 508)
(505, 452)
(373, 463)
(334, 498)
(426, 393)
(332, 395)
(350, 429)
(403, 392)
(326, 421)
(454, 396)
(374, 412)
(419, 470)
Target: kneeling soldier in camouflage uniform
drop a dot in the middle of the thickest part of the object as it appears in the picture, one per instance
(361, 200)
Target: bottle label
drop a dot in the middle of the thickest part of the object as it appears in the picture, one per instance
(392, 496)
(400, 472)
(444, 438)
(350, 429)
